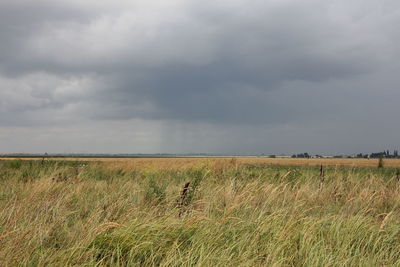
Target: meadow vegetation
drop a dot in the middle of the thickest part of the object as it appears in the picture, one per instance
(75, 213)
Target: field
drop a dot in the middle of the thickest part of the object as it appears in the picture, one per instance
(199, 212)
(185, 162)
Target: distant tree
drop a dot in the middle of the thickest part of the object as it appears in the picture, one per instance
(377, 155)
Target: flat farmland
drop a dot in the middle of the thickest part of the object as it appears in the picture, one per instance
(185, 162)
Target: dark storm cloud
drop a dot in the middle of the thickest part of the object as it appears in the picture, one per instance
(226, 63)
(20, 22)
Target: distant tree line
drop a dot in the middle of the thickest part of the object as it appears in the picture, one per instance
(384, 154)
(302, 155)
(306, 156)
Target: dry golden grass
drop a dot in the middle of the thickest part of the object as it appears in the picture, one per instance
(128, 213)
(188, 162)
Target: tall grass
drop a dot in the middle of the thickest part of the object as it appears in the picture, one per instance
(93, 214)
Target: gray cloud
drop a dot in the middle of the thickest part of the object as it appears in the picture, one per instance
(269, 66)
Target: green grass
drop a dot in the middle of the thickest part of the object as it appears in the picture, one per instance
(57, 213)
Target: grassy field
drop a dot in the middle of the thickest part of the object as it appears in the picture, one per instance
(185, 162)
(199, 212)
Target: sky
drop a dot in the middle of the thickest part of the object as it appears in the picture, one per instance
(228, 76)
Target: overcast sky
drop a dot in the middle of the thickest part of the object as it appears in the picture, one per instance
(230, 76)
